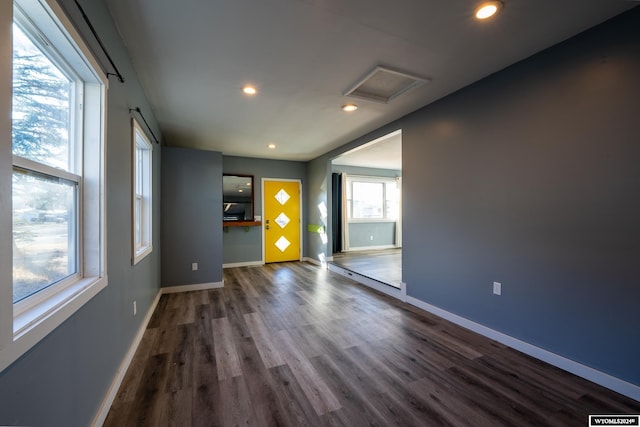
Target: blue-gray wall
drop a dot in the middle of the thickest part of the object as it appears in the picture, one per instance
(63, 380)
(191, 216)
(241, 245)
(531, 177)
(370, 234)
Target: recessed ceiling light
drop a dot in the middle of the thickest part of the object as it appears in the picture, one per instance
(240, 190)
(349, 107)
(249, 90)
(488, 9)
(272, 146)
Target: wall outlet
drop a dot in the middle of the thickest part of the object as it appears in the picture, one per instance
(497, 288)
(371, 238)
(194, 266)
(135, 308)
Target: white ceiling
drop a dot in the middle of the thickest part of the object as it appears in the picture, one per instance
(382, 153)
(193, 57)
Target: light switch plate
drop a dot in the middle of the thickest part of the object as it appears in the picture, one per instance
(497, 288)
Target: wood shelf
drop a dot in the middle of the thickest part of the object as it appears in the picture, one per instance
(241, 223)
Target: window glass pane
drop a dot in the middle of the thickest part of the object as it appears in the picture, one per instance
(138, 221)
(368, 200)
(41, 105)
(44, 232)
(139, 170)
(392, 204)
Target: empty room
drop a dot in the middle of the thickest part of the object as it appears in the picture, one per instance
(302, 212)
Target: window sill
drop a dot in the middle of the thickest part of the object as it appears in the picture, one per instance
(32, 325)
(141, 254)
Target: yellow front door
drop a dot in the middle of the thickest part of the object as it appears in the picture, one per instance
(281, 220)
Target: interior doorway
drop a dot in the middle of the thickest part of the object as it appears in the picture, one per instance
(367, 210)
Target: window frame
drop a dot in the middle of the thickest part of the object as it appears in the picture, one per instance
(351, 179)
(141, 145)
(33, 300)
(25, 323)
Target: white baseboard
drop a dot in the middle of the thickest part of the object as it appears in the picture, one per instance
(243, 264)
(586, 372)
(312, 261)
(101, 416)
(188, 288)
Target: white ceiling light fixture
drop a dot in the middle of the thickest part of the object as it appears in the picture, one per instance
(488, 9)
(349, 107)
(271, 146)
(249, 90)
(384, 85)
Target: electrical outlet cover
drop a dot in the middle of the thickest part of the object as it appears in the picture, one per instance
(497, 288)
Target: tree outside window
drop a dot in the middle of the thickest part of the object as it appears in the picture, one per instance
(45, 200)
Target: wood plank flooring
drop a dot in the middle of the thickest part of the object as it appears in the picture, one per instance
(292, 345)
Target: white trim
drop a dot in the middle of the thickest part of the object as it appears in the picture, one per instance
(44, 169)
(598, 377)
(102, 413)
(399, 221)
(390, 290)
(189, 288)
(312, 261)
(140, 141)
(32, 331)
(37, 321)
(243, 264)
(101, 416)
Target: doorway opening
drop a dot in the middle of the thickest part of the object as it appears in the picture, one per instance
(367, 210)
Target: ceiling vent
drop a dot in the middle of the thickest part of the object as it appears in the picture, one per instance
(384, 85)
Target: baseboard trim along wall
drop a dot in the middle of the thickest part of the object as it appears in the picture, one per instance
(313, 261)
(243, 264)
(101, 416)
(598, 377)
(188, 288)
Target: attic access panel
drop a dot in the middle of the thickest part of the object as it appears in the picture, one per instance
(384, 85)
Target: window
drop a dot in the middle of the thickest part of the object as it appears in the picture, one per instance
(45, 186)
(370, 198)
(52, 170)
(142, 212)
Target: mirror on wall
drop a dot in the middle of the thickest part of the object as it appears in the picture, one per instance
(237, 197)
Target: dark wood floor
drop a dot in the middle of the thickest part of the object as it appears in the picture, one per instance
(292, 344)
(382, 265)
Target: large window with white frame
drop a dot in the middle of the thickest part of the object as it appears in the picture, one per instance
(372, 198)
(54, 226)
(142, 203)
